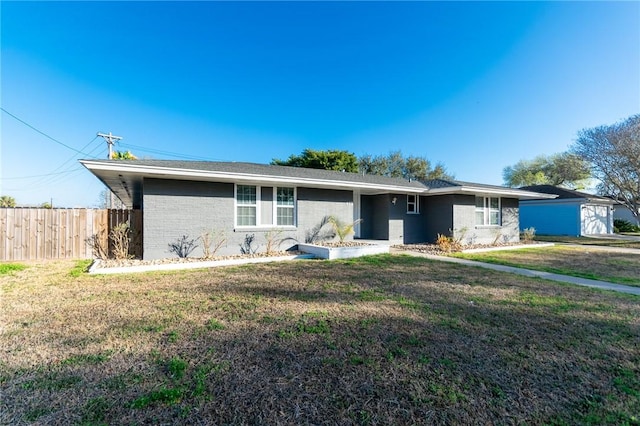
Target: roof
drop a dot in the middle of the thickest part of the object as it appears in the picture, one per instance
(124, 178)
(566, 194)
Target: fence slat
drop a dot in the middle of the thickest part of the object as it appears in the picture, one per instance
(38, 234)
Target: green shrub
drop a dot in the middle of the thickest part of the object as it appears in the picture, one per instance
(622, 225)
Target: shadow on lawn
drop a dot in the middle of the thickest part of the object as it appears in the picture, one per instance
(403, 343)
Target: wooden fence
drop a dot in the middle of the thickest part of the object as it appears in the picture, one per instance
(38, 234)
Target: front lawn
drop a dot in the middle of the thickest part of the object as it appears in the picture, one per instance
(589, 241)
(621, 268)
(376, 340)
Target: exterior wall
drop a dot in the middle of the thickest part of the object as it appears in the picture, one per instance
(464, 227)
(384, 220)
(375, 217)
(315, 204)
(413, 224)
(551, 218)
(266, 207)
(623, 213)
(173, 208)
(438, 216)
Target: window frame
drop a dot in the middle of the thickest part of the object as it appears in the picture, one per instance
(415, 204)
(237, 204)
(292, 207)
(487, 211)
(258, 207)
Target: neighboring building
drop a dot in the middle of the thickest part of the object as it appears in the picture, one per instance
(190, 197)
(623, 213)
(572, 213)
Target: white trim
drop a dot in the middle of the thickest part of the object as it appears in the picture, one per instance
(257, 205)
(266, 180)
(486, 212)
(416, 204)
(270, 180)
(476, 190)
(294, 207)
(356, 213)
(259, 226)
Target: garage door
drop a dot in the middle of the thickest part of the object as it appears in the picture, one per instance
(595, 219)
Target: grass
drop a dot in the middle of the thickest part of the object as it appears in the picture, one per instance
(378, 340)
(588, 241)
(621, 268)
(8, 268)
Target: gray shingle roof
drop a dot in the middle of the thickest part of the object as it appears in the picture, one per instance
(124, 177)
(273, 170)
(562, 193)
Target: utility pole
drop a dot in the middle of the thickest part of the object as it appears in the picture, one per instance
(111, 140)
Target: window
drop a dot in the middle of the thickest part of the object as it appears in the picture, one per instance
(256, 208)
(412, 204)
(246, 205)
(285, 206)
(487, 211)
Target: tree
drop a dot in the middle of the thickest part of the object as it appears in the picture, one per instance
(7, 201)
(123, 155)
(106, 200)
(396, 165)
(565, 169)
(327, 160)
(614, 154)
(46, 205)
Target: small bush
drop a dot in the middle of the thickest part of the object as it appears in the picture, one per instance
(448, 244)
(342, 229)
(528, 234)
(183, 246)
(98, 246)
(211, 242)
(247, 246)
(625, 226)
(120, 238)
(316, 234)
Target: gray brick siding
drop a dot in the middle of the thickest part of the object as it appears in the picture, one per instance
(173, 208)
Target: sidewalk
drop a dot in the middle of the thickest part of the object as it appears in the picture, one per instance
(603, 285)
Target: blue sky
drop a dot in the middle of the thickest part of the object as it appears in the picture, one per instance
(477, 86)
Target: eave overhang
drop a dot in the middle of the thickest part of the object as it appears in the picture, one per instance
(125, 180)
(484, 190)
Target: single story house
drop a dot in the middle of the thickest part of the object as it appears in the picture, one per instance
(243, 199)
(571, 213)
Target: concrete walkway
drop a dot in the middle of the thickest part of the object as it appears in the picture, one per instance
(589, 247)
(603, 285)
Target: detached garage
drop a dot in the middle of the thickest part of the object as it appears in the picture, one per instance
(572, 213)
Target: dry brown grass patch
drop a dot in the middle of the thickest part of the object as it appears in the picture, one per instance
(381, 340)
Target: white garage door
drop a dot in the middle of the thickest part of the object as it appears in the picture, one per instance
(595, 219)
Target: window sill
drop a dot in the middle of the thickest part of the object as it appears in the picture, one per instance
(416, 213)
(264, 228)
(488, 226)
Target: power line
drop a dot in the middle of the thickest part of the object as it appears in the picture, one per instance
(41, 132)
(157, 151)
(35, 176)
(43, 178)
